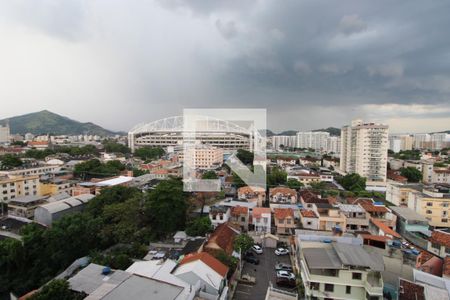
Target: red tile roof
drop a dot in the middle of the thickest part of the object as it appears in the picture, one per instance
(308, 213)
(209, 260)
(446, 268)
(385, 228)
(250, 190)
(409, 290)
(258, 211)
(310, 197)
(282, 213)
(441, 238)
(378, 238)
(373, 208)
(222, 239)
(282, 190)
(239, 210)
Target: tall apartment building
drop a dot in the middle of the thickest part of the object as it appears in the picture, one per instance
(439, 141)
(4, 134)
(203, 157)
(364, 150)
(422, 140)
(18, 186)
(333, 144)
(284, 141)
(316, 140)
(399, 143)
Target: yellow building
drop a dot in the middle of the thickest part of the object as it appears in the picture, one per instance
(12, 187)
(56, 186)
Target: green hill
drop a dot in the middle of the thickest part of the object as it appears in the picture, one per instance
(46, 122)
(331, 130)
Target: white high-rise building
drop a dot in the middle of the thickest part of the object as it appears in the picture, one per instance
(364, 150)
(283, 141)
(4, 134)
(316, 140)
(439, 140)
(400, 142)
(421, 140)
(334, 144)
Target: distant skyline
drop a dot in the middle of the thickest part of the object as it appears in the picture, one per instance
(117, 63)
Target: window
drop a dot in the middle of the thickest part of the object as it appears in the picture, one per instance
(447, 250)
(288, 221)
(314, 286)
(435, 246)
(329, 287)
(242, 219)
(308, 223)
(444, 220)
(429, 211)
(356, 276)
(348, 289)
(429, 203)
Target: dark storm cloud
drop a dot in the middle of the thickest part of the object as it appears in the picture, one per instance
(311, 63)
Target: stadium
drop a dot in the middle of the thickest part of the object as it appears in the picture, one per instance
(169, 132)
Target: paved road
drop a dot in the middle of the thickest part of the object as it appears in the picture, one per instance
(264, 272)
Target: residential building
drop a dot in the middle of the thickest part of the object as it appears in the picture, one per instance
(240, 217)
(364, 151)
(25, 206)
(55, 186)
(284, 161)
(305, 176)
(252, 194)
(309, 219)
(356, 217)
(219, 214)
(422, 141)
(284, 220)
(222, 239)
(12, 187)
(4, 134)
(412, 226)
(377, 227)
(338, 268)
(331, 163)
(400, 142)
(423, 286)
(37, 171)
(439, 140)
(330, 217)
(48, 213)
(432, 202)
(203, 157)
(282, 195)
(316, 140)
(262, 219)
(378, 211)
(205, 268)
(333, 145)
(439, 243)
(280, 142)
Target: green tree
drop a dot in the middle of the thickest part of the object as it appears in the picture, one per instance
(353, 182)
(114, 147)
(245, 156)
(294, 183)
(411, 173)
(10, 161)
(210, 175)
(94, 168)
(199, 227)
(56, 289)
(243, 243)
(230, 261)
(149, 153)
(276, 177)
(39, 154)
(166, 207)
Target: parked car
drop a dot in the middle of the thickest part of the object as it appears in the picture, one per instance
(257, 249)
(281, 251)
(285, 274)
(251, 258)
(283, 266)
(285, 282)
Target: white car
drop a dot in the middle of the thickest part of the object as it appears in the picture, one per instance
(257, 249)
(281, 251)
(285, 274)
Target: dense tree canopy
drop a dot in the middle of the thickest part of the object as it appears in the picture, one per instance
(199, 227)
(57, 289)
(10, 161)
(245, 156)
(243, 243)
(149, 153)
(294, 183)
(95, 168)
(276, 177)
(209, 175)
(114, 147)
(352, 182)
(411, 173)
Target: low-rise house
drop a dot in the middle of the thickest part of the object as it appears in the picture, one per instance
(439, 243)
(309, 219)
(252, 194)
(282, 195)
(338, 268)
(284, 220)
(423, 286)
(305, 178)
(283, 161)
(222, 239)
(309, 198)
(357, 217)
(219, 214)
(240, 217)
(412, 226)
(378, 211)
(261, 219)
(25, 206)
(379, 228)
(330, 217)
(203, 267)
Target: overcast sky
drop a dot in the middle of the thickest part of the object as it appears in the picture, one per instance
(311, 64)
